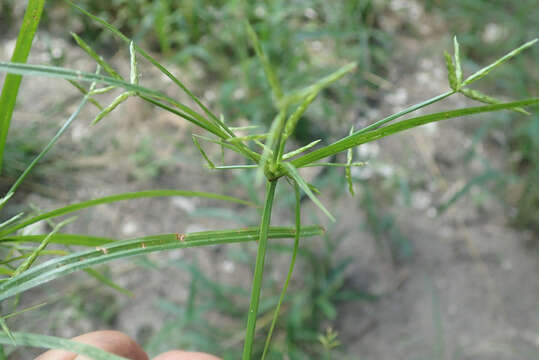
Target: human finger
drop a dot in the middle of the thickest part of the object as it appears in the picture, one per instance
(114, 342)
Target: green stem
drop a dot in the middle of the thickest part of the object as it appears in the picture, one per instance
(290, 270)
(259, 270)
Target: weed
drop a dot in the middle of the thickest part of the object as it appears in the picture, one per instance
(267, 154)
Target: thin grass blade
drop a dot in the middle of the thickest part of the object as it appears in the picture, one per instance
(30, 21)
(98, 59)
(120, 197)
(362, 137)
(484, 71)
(48, 146)
(268, 69)
(65, 265)
(294, 174)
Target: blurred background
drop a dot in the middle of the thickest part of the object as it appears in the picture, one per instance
(435, 257)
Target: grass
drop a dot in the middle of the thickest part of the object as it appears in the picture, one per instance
(268, 156)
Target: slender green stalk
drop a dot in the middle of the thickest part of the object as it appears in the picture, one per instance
(259, 270)
(12, 82)
(290, 270)
(49, 145)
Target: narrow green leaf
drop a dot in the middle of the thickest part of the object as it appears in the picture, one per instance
(8, 332)
(85, 92)
(108, 282)
(479, 96)
(268, 69)
(294, 174)
(48, 146)
(484, 71)
(98, 59)
(293, 153)
(30, 21)
(458, 67)
(65, 265)
(50, 342)
(63, 239)
(11, 220)
(408, 110)
(248, 137)
(360, 137)
(211, 165)
(299, 95)
(120, 197)
(18, 312)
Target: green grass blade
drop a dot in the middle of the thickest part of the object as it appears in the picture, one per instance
(77, 75)
(268, 69)
(65, 265)
(6, 329)
(30, 21)
(98, 59)
(359, 138)
(290, 270)
(211, 165)
(63, 239)
(294, 174)
(293, 153)
(259, 270)
(408, 110)
(85, 92)
(484, 71)
(11, 220)
(48, 146)
(108, 282)
(299, 95)
(51, 342)
(485, 99)
(120, 197)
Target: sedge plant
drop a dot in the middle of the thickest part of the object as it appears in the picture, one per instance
(266, 153)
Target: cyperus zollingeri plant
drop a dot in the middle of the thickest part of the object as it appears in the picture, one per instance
(265, 153)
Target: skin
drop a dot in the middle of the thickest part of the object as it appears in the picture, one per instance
(120, 344)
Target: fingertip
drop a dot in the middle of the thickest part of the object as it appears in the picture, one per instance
(114, 342)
